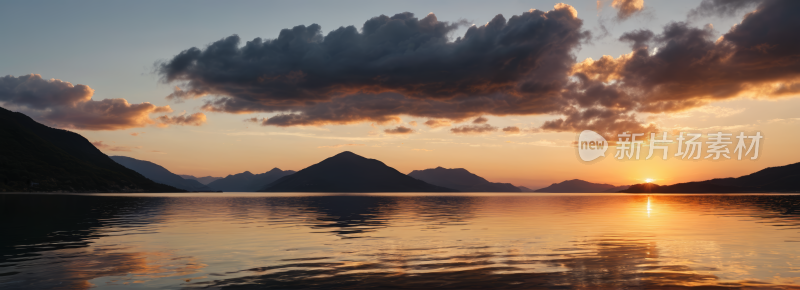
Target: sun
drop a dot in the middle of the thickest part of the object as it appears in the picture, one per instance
(649, 180)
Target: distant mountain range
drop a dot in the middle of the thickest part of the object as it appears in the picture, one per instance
(580, 186)
(203, 180)
(35, 157)
(773, 179)
(248, 182)
(159, 174)
(460, 179)
(348, 172)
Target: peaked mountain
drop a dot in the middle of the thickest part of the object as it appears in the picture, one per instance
(348, 172)
(248, 182)
(576, 186)
(203, 180)
(772, 179)
(35, 157)
(159, 174)
(460, 179)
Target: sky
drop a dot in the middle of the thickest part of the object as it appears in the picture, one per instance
(217, 88)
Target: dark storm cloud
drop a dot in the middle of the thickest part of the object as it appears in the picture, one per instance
(392, 66)
(722, 7)
(399, 130)
(474, 129)
(61, 104)
(760, 57)
(523, 65)
(638, 38)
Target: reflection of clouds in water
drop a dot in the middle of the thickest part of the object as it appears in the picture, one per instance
(414, 241)
(609, 262)
(85, 268)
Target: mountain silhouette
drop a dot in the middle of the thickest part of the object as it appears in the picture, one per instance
(35, 157)
(772, 179)
(524, 189)
(576, 186)
(618, 188)
(348, 172)
(460, 179)
(203, 180)
(248, 182)
(159, 174)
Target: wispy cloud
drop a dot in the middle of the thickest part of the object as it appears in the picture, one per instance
(107, 147)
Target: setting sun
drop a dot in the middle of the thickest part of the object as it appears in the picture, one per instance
(649, 180)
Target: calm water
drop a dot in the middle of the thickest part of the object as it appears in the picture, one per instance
(456, 241)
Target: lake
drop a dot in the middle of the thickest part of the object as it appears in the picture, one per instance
(398, 240)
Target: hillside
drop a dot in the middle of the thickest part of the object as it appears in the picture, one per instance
(159, 174)
(35, 157)
(460, 179)
(248, 182)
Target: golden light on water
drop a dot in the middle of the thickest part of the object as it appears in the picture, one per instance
(648, 206)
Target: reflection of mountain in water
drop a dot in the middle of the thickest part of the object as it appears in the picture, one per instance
(47, 241)
(353, 216)
(602, 263)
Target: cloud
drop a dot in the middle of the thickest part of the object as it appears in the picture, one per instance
(626, 8)
(339, 145)
(137, 133)
(195, 119)
(61, 104)
(399, 130)
(511, 130)
(721, 7)
(418, 149)
(106, 147)
(413, 123)
(605, 122)
(391, 66)
(438, 123)
(689, 69)
(474, 129)
(522, 65)
(480, 120)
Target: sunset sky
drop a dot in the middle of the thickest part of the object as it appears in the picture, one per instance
(217, 88)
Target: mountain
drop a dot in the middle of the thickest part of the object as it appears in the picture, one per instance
(248, 182)
(35, 157)
(773, 179)
(618, 188)
(576, 186)
(524, 189)
(460, 179)
(348, 172)
(159, 174)
(203, 180)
